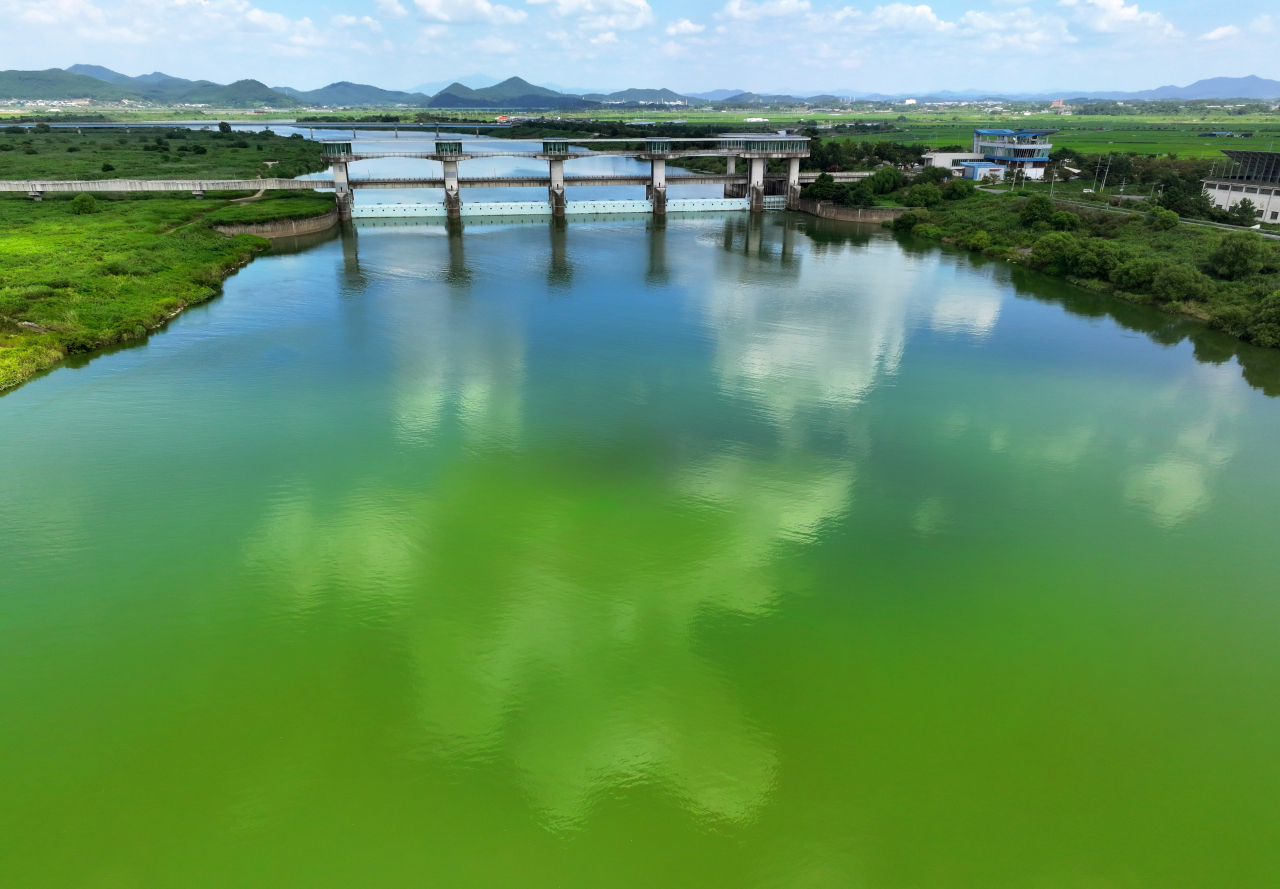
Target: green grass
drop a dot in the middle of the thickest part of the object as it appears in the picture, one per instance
(72, 283)
(64, 154)
(277, 205)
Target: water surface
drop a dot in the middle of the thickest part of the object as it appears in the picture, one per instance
(724, 552)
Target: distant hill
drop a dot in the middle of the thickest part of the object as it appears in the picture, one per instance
(58, 84)
(473, 81)
(346, 93)
(166, 90)
(641, 96)
(717, 95)
(1251, 87)
(511, 93)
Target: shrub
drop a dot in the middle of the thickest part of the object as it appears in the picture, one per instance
(1239, 254)
(924, 196)
(958, 190)
(83, 203)
(858, 195)
(1264, 327)
(1232, 319)
(1064, 221)
(199, 149)
(925, 230)
(909, 220)
(979, 240)
(1181, 282)
(885, 180)
(1054, 252)
(1037, 208)
(1098, 259)
(71, 148)
(6, 147)
(1136, 275)
(1162, 220)
(29, 150)
(931, 176)
(14, 131)
(107, 168)
(42, 128)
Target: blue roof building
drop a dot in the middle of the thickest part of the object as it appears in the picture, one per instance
(1026, 151)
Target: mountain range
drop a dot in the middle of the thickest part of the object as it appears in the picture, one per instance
(97, 82)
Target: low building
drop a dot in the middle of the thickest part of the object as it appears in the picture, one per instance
(979, 170)
(1254, 175)
(950, 159)
(1026, 151)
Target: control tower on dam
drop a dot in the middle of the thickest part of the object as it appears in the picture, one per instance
(743, 191)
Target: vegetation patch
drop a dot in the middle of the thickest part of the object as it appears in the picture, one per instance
(1230, 279)
(276, 206)
(73, 279)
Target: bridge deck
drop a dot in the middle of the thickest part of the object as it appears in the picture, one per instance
(189, 185)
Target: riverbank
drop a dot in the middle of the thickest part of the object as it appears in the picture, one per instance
(1227, 279)
(78, 275)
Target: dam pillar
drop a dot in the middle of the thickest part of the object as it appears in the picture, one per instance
(341, 188)
(658, 185)
(556, 192)
(36, 194)
(452, 196)
(730, 169)
(755, 182)
(793, 183)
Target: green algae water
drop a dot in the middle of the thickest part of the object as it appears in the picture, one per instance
(741, 552)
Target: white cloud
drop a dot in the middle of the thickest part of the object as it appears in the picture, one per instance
(470, 11)
(350, 21)
(684, 26)
(606, 37)
(747, 11)
(1219, 33)
(496, 46)
(901, 17)
(601, 15)
(391, 9)
(1114, 15)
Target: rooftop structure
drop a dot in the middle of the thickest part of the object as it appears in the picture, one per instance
(1026, 151)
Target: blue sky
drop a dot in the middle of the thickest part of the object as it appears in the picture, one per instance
(691, 45)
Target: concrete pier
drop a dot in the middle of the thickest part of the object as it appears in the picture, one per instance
(658, 185)
(555, 192)
(755, 182)
(452, 195)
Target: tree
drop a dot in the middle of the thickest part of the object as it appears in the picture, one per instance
(1239, 254)
(1182, 282)
(224, 127)
(858, 195)
(83, 203)
(925, 195)
(107, 168)
(1066, 221)
(1244, 213)
(1054, 252)
(1264, 327)
(1162, 220)
(1037, 208)
(931, 175)
(885, 180)
(958, 190)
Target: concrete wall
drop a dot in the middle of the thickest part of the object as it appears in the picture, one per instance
(284, 227)
(849, 214)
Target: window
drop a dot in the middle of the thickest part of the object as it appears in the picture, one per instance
(1275, 214)
(1251, 191)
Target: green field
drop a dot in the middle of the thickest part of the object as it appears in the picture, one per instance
(154, 154)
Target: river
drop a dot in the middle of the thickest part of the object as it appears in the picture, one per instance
(769, 552)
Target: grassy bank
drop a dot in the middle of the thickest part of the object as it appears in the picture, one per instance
(78, 276)
(154, 154)
(1228, 279)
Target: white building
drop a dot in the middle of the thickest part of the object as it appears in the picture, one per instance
(952, 160)
(1256, 176)
(1026, 151)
